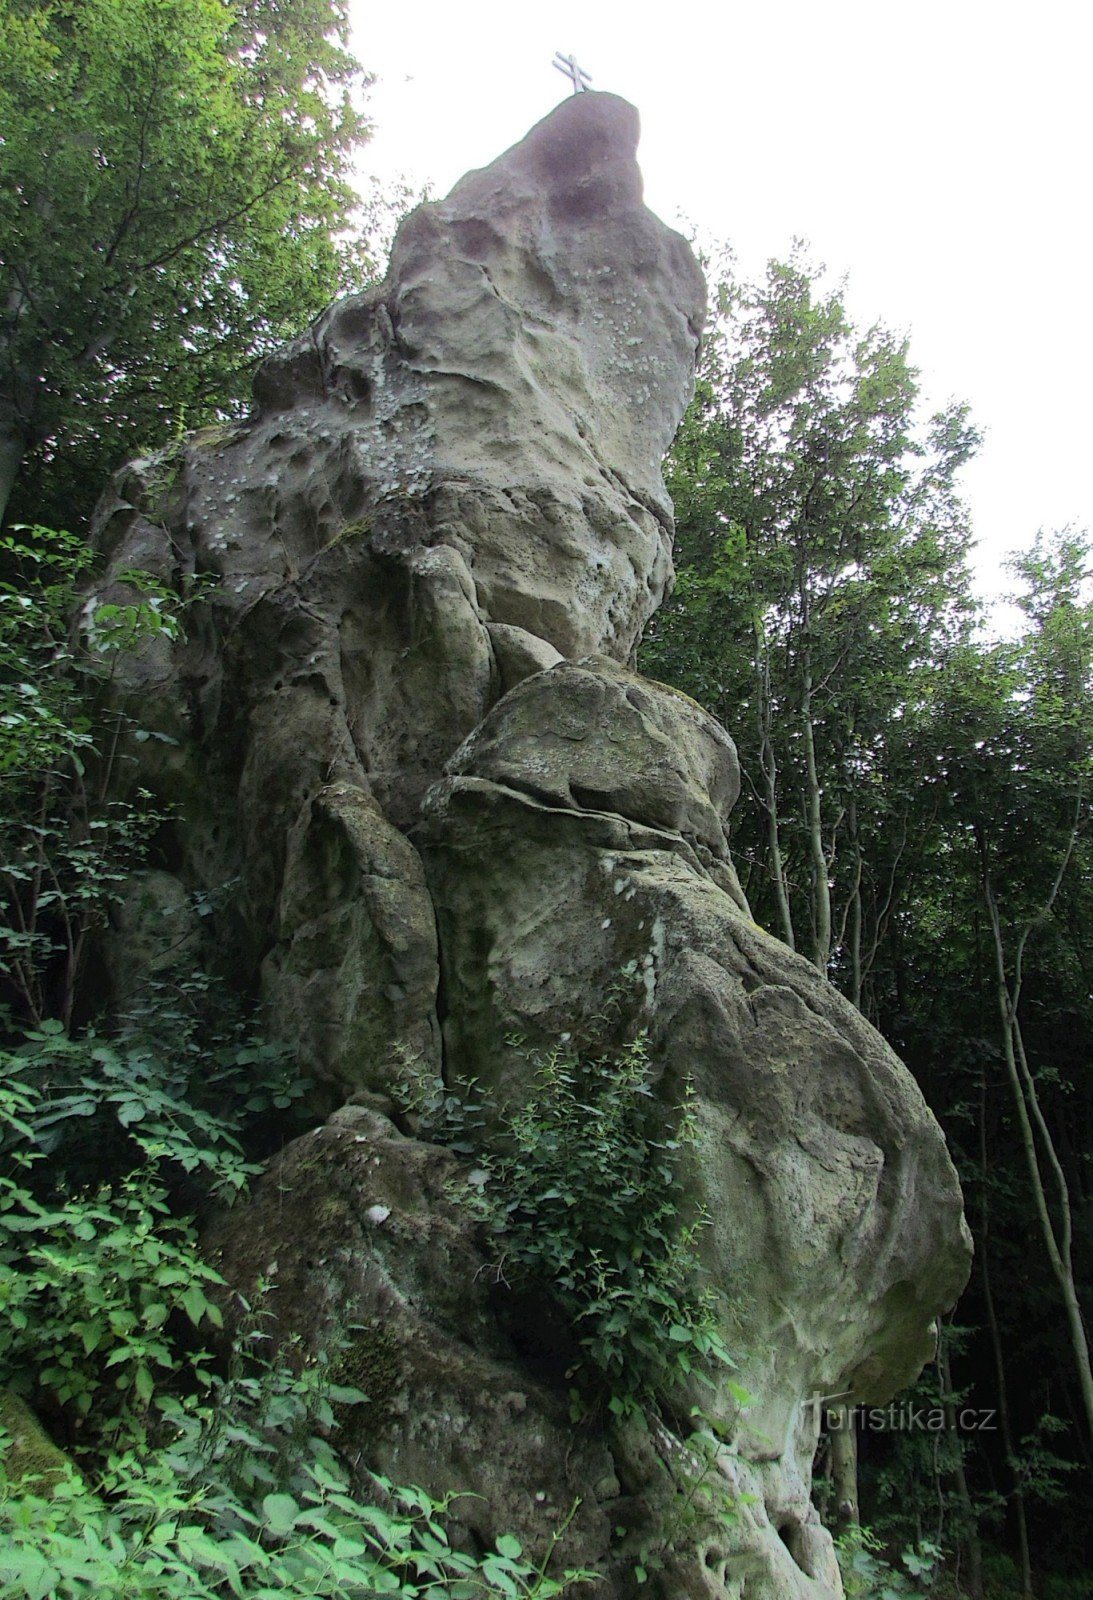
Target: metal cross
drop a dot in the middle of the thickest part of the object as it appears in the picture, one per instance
(577, 76)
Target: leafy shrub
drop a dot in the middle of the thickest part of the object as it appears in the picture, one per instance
(584, 1196)
(867, 1575)
(155, 1540)
(88, 1277)
(247, 1498)
(195, 1482)
(67, 842)
(178, 1090)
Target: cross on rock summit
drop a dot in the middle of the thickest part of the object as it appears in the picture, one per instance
(579, 78)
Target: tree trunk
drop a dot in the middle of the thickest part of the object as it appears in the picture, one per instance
(973, 1578)
(856, 977)
(1057, 1240)
(1005, 1428)
(821, 889)
(12, 451)
(844, 1465)
(769, 769)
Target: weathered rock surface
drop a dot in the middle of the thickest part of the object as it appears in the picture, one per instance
(402, 729)
(836, 1229)
(368, 1229)
(448, 482)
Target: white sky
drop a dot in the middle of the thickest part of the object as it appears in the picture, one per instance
(937, 153)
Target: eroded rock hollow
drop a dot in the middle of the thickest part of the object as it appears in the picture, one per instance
(403, 726)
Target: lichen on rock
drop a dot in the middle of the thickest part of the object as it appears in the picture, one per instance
(403, 725)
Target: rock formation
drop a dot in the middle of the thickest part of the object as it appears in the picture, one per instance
(404, 727)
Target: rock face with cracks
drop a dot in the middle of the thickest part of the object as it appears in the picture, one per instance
(402, 728)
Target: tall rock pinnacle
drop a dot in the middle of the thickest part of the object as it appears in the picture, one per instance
(410, 760)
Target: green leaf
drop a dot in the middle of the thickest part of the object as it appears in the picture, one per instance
(280, 1512)
(498, 1575)
(194, 1303)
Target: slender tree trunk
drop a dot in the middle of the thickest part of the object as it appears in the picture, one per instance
(970, 1541)
(12, 450)
(769, 768)
(1030, 1121)
(774, 844)
(821, 888)
(844, 1465)
(1004, 1425)
(856, 979)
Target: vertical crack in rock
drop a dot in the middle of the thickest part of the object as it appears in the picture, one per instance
(403, 729)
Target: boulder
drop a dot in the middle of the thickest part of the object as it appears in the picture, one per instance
(370, 1241)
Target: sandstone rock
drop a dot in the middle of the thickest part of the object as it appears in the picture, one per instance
(402, 729)
(31, 1453)
(449, 482)
(599, 738)
(363, 1230)
(518, 653)
(352, 979)
(836, 1230)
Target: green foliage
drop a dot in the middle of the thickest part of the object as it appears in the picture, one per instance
(195, 1481)
(97, 1136)
(456, 1120)
(1016, 729)
(171, 1087)
(585, 1197)
(46, 680)
(868, 1575)
(87, 1288)
(157, 1539)
(244, 1495)
(1040, 1471)
(67, 841)
(174, 202)
(94, 1263)
(820, 544)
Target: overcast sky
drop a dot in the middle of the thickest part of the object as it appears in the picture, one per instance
(937, 153)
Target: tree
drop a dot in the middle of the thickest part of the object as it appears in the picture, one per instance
(821, 541)
(990, 1000)
(1025, 791)
(915, 817)
(172, 184)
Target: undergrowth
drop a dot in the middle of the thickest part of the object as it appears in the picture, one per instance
(580, 1187)
(195, 1465)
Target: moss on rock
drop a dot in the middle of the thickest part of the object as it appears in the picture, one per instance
(31, 1453)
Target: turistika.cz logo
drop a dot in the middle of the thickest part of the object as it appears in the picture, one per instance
(901, 1417)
